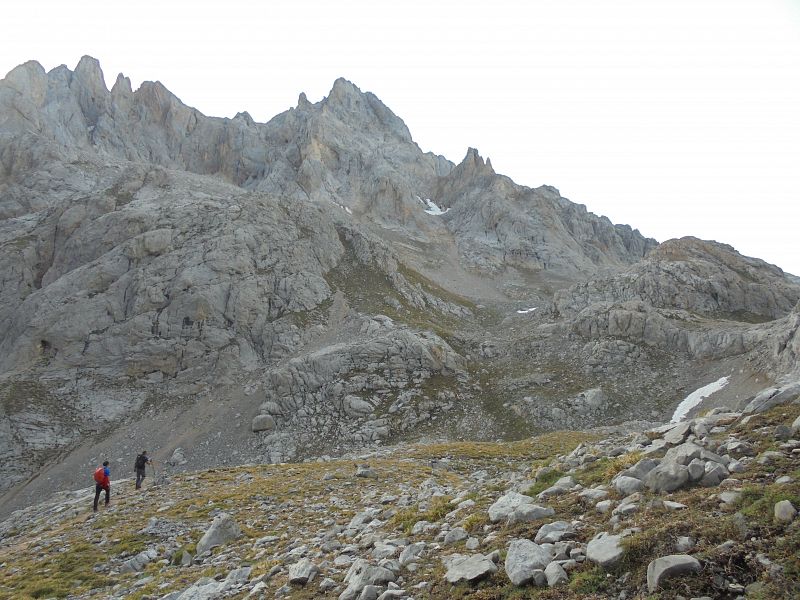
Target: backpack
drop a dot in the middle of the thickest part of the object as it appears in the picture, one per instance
(99, 474)
(141, 461)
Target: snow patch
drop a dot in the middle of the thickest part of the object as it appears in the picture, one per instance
(430, 207)
(525, 311)
(697, 396)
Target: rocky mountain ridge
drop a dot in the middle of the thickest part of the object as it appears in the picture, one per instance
(253, 292)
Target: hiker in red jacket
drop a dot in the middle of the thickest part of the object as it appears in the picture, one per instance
(102, 481)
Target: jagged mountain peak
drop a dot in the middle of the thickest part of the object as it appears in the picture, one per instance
(344, 88)
(473, 164)
(88, 70)
(362, 109)
(122, 85)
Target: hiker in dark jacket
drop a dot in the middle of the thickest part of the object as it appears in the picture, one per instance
(139, 467)
(102, 481)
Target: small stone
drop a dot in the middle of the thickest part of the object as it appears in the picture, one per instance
(327, 584)
(736, 466)
(604, 506)
(367, 472)
(684, 544)
(730, 497)
(455, 535)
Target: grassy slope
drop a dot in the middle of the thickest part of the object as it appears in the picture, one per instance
(56, 556)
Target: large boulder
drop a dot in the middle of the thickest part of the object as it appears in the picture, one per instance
(469, 568)
(628, 485)
(223, 529)
(678, 434)
(554, 532)
(302, 572)
(605, 550)
(683, 454)
(640, 469)
(362, 574)
(785, 512)
(667, 477)
(517, 507)
(670, 566)
(411, 553)
(524, 558)
(138, 562)
(773, 396)
(556, 575)
(263, 423)
(207, 588)
(714, 474)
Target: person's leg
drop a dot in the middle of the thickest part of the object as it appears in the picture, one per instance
(138, 479)
(108, 495)
(97, 489)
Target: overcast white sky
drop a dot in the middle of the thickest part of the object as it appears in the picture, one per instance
(678, 117)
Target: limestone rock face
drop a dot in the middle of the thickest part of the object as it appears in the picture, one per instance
(317, 284)
(692, 275)
(539, 230)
